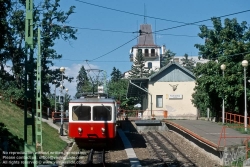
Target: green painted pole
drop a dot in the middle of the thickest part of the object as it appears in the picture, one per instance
(39, 98)
(29, 148)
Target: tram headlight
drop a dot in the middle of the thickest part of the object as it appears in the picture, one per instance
(80, 130)
(103, 130)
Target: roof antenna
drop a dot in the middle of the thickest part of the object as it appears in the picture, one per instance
(145, 12)
(155, 33)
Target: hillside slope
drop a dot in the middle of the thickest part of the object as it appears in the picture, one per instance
(12, 117)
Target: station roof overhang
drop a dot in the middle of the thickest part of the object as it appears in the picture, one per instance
(137, 87)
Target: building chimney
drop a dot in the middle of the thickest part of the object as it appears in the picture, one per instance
(176, 60)
(163, 49)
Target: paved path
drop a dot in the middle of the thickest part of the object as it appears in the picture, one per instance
(129, 150)
(64, 137)
(210, 132)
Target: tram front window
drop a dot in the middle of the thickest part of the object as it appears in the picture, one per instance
(81, 113)
(101, 113)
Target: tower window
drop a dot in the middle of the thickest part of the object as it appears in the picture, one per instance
(146, 53)
(152, 52)
(149, 65)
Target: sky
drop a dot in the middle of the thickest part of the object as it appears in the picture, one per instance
(107, 30)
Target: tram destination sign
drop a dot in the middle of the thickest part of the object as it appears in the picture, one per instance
(175, 96)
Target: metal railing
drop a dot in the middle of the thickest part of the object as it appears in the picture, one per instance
(57, 116)
(235, 118)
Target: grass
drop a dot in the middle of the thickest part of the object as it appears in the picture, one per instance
(237, 127)
(13, 118)
(241, 129)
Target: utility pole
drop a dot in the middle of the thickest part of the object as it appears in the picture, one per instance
(39, 138)
(29, 148)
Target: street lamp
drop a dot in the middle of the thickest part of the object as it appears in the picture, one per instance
(62, 69)
(223, 67)
(245, 64)
(65, 95)
(55, 81)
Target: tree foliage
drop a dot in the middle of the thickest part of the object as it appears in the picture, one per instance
(188, 63)
(52, 21)
(83, 83)
(167, 57)
(138, 68)
(50, 18)
(227, 44)
(116, 75)
(5, 6)
(118, 89)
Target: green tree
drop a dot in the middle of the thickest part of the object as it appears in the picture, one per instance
(206, 92)
(4, 8)
(50, 19)
(12, 51)
(167, 57)
(116, 75)
(83, 83)
(229, 45)
(118, 89)
(138, 68)
(188, 63)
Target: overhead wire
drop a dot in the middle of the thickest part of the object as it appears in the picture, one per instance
(131, 13)
(171, 28)
(114, 49)
(157, 18)
(186, 24)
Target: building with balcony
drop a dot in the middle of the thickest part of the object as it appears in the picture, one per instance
(150, 51)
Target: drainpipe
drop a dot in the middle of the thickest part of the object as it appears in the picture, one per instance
(144, 91)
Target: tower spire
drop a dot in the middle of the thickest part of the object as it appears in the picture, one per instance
(145, 13)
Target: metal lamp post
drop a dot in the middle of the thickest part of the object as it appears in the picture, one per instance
(65, 95)
(223, 67)
(245, 64)
(62, 69)
(55, 81)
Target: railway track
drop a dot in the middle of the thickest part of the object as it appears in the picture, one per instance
(92, 158)
(164, 152)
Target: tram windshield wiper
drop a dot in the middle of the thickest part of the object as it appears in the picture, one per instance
(78, 107)
(106, 108)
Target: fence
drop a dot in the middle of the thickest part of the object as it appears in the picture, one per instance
(57, 116)
(138, 114)
(235, 118)
(223, 137)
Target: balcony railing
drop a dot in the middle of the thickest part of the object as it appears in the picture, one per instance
(146, 55)
(150, 55)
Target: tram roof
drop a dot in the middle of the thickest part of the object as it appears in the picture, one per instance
(92, 100)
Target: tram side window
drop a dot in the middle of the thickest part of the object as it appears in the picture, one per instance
(81, 113)
(102, 113)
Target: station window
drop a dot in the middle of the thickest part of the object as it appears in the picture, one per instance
(81, 113)
(102, 113)
(159, 101)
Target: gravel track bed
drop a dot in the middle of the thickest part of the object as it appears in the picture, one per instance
(194, 153)
(117, 157)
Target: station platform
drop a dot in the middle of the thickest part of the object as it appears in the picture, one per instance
(214, 135)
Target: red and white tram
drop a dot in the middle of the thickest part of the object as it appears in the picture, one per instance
(92, 121)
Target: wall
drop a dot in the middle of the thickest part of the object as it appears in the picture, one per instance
(155, 62)
(178, 108)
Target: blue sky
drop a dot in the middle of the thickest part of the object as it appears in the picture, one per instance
(96, 44)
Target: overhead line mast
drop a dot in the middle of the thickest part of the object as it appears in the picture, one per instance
(29, 148)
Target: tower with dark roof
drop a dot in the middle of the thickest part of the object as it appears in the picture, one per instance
(150, 51)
